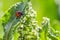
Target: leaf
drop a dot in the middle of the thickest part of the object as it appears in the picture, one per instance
(9, 20)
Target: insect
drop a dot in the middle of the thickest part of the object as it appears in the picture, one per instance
(18, 14)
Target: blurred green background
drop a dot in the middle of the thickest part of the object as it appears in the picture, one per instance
(44, 8)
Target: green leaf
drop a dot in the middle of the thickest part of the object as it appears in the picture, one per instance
(9, 20)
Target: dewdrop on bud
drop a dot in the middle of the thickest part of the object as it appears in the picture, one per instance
(30, 8)
(33, 11)
(24, 19)
(22, 26)
(34, 21)
(29, 3)
(46, 20)
(18, 3)
(32, 15)
(35, 33)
